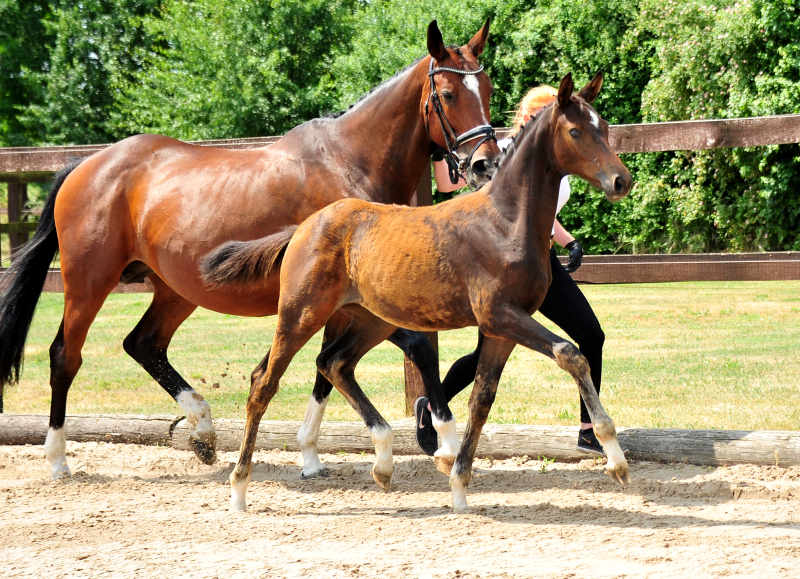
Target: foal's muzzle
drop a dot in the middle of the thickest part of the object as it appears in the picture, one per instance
(616, 184)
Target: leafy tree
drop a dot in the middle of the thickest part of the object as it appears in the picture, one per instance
(237, 69)
(95, 51)
(24, 41)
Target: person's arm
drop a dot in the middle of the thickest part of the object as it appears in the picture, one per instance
(442, 177)
(565, 239)
(560, 235)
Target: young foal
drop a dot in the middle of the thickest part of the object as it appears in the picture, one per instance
(480, 259)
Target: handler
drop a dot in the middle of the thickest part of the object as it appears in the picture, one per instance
(564, 305)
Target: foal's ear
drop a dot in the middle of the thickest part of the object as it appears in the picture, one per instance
(591, 90)
(565, 91)
(477, 43)
(435, 43)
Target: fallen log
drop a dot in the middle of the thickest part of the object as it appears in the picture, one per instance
(701, 447)
(32, 428)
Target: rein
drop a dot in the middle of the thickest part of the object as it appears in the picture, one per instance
(455, 165)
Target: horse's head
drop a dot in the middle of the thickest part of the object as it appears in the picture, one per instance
(581, 140)
(456, 105)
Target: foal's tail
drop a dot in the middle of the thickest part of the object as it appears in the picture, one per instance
(22, 283)
(244, 262)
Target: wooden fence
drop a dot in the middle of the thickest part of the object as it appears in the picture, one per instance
(22, 165)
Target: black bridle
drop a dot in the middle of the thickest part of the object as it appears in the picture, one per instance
(455, 165)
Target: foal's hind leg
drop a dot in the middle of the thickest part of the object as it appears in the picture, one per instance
(308, 435)
(338, 361)
(148, 343)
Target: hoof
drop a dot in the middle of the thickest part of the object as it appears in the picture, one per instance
(619, 473)
(321, 473)
(444, 464)
(61, 474)
(205, 448)
(383, 480)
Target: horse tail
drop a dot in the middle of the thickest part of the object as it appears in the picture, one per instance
(244, 262)
(22, 284)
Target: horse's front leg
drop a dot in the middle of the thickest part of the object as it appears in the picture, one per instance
(419, 350)
(493, 357)
(514, 324)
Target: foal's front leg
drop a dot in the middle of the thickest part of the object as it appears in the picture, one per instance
(493, 357)
(514, 324)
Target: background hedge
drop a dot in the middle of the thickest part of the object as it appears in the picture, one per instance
(101, 70)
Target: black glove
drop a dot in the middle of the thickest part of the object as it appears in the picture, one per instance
(438, 153)
(575, 255)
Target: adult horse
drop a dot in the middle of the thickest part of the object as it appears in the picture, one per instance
(478, 260)
(151, 206)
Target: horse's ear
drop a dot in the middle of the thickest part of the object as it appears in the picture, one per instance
(592, 89)
(436, 43)
(477, 43)
(565, 91)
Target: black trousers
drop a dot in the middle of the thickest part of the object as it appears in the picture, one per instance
(565, 306)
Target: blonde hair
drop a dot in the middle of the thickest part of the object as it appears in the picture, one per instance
(537, 97)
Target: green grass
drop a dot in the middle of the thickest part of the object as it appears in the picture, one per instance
(682, 355)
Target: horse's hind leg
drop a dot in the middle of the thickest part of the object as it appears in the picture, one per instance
(148, 343)
(308, 435)
(338, 362)
(80, 308)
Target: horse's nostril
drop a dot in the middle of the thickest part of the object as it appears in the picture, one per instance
(482, 167)
(619, 185)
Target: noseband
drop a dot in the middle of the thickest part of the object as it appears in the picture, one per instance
(455, 165)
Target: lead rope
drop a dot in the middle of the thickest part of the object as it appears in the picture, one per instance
(456, 167)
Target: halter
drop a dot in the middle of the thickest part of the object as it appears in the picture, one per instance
(455, 165)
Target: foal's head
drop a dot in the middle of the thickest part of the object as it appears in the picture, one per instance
(464, 102)
(581, 140)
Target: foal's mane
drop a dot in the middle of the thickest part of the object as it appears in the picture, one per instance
(524, 131)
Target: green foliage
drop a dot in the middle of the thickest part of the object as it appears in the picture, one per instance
(100, 70)
(238, 69)
(24, 40)
(94, 53)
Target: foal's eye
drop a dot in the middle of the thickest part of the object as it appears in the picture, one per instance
(574, 133)
(447, 95)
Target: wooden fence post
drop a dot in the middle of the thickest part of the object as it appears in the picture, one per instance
(17, 198)
(414, 385)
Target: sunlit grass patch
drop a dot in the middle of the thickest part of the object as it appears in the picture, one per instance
(683, 355)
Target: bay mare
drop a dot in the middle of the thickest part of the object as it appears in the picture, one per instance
(478, 260)
(151, 206)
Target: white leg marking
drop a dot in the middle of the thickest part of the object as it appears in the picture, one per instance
(307, 438)
(614, 453)
(55, 451)
(447, 431)
(238, 492)
(459, 493)
(383, 438)
(474, 86)
(198, 411)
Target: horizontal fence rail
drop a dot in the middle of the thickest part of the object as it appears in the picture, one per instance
(37, 164)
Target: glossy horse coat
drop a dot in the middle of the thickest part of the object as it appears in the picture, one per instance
(478, 260)
(152, 206)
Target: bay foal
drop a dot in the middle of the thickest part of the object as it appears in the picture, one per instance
(151, 206)
(480, 259)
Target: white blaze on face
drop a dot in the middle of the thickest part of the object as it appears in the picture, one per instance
(471, 82)
(595, 119)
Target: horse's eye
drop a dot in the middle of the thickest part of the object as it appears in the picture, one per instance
(447, 95)
(574, 133)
